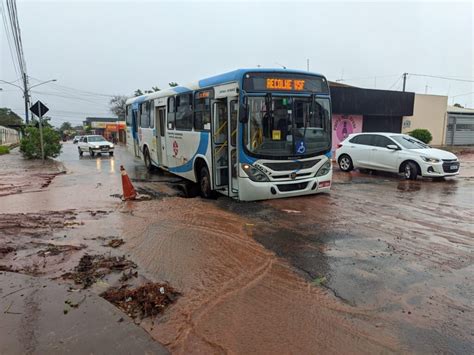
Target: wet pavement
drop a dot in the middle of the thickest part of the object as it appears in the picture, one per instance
(378, 265)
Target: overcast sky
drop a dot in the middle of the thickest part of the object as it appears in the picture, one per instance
(115, 47)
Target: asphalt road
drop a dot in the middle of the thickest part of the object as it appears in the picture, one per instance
(378, 265)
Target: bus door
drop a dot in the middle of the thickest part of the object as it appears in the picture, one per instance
(232, 133)
(220, 155)
(224, 140)
(160, 124)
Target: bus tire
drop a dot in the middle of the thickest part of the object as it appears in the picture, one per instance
(147, 159)
(205, 183)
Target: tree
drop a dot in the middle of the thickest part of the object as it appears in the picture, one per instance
(173, 84)
(421, 134)
(30, 145)
(9, 118)
(458, 105)
(138, 92)
(117, 106)
(66, 126)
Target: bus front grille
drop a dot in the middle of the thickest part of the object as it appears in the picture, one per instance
(292, 165)
(292, 187)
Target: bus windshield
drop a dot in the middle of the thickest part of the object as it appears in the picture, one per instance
(286, 126)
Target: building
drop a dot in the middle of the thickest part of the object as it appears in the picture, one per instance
(358, 110)
(109, 127)
(429, 112)
(460, 126)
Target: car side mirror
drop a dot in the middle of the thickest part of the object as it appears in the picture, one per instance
(393, 147)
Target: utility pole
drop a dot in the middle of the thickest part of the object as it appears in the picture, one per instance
(404, 80)
(26, 97)
(40, 119)
(307, 64)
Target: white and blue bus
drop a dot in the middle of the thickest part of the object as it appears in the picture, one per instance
(250, 134)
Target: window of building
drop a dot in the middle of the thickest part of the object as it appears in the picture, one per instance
(202, 110)
(184, 112)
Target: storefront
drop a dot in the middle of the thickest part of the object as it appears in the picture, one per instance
(366, 110)
(108, 127)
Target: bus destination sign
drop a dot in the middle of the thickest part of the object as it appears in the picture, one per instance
(290, 82)
(285, 84)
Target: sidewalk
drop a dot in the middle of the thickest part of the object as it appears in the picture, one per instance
(42, 317)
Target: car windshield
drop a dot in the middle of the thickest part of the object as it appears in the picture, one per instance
(409, 142)
(285, 126)
(95, 139)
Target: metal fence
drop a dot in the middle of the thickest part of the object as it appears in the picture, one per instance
(8, 136)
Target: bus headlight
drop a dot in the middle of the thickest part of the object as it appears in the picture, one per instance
(253, 173)
(325, 169)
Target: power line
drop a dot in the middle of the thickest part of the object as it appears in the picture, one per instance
(396, 82)
(442, 77)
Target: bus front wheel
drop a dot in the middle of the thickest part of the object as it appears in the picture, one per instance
(205, 183)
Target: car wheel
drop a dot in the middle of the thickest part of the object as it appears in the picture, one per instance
(111, 154)
(410, 170)
(205, 183)
(345, 163)
(80, 152)
(147, 159)
(91, 152)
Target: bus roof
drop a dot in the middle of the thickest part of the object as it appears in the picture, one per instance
(235, 75)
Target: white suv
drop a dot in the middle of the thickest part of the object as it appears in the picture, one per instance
(95, 144)
(397, 153)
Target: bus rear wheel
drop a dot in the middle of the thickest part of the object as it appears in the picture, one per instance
(147, 159)
(205, 183)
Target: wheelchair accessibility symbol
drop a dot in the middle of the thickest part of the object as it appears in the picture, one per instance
(300, 147)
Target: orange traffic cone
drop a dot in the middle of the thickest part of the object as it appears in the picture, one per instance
(129, 192)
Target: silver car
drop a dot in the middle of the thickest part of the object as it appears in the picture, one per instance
(95, 145)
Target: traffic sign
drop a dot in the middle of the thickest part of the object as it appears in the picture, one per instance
(39, 109)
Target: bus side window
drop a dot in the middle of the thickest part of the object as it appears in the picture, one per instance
(202, 110)
(184, 112)
(171, 112)
(128, 115)
(151, 114)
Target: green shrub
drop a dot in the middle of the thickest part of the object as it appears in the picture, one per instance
(4, 150)
(30, 145)
(421, 134)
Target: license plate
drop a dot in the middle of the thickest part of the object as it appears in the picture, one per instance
(454, 167)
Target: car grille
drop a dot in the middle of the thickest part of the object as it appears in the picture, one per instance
(450, 166)
(292, 165)
(104, 147)
(292, 187)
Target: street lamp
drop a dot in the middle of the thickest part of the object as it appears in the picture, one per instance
(26, 93)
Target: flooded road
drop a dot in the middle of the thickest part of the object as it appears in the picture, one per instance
(379, 265)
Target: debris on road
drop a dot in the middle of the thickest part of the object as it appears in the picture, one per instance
(94, 267)
(115, 243)
(53, 249)
(144, 301)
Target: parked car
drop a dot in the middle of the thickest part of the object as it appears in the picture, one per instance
(397, 153)
(95, 145)
(76, 139)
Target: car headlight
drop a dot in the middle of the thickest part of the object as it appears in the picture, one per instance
(111, 145)
(253, 173)
(324, 169)
(96, 147)
(430, 160)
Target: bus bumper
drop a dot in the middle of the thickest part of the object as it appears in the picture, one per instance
(251, 191)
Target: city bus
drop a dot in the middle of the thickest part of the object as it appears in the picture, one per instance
(250, 134)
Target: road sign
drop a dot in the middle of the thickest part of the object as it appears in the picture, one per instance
(39, 109)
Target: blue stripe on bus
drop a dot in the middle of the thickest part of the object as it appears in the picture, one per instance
(181, 89)
(202, 150)
(244, 158)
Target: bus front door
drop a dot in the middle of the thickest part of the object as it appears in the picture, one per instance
(160, 125)
(224, 149)
(219, 146)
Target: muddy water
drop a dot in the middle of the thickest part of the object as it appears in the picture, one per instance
(237, 295)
